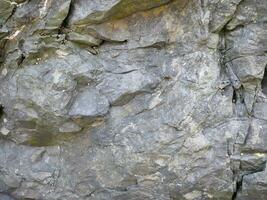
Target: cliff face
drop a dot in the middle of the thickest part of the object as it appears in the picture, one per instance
(133, 99)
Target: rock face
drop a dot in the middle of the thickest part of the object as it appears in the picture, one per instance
(133, 99)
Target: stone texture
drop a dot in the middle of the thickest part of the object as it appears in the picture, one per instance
(143, 99)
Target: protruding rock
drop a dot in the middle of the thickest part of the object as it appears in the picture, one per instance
(90, 103)
(91, 12)
(83, 39)
(69, 127)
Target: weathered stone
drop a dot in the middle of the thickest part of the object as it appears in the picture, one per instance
(96, 12)
(254, 186)
(83, 39)
(6, 9)
(256, 140)
(69, 127)
(47, 14)
(6, 197)
(90, 103)
(141, 99)
(221, 13)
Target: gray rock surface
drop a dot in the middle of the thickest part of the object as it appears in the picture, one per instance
(127, 100)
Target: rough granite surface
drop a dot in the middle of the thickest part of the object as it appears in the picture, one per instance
(133, 99)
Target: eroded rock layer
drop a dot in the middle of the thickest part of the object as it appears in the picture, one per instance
(133, 99)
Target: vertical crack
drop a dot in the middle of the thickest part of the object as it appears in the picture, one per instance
(264, 82)
(3, 130)
(234, 97)
(1, 111)
(14, 4)
(64, 23)
(238, 187)
(239, 109)
(3, 43)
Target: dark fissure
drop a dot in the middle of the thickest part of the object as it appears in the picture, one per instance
(264, 82)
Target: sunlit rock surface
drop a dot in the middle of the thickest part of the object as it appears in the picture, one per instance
(133, 100)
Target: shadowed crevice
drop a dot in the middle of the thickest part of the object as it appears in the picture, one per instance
(264, 82)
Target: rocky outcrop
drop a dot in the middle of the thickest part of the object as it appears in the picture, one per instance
(141, 99)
